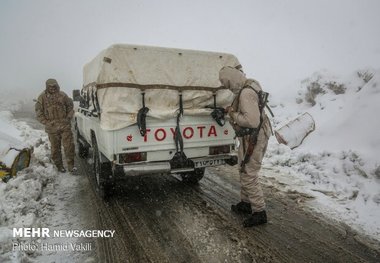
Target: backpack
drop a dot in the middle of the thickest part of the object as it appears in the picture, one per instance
(263, 100)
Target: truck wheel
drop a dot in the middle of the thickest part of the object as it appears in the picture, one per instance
(193, 177)
(102, 172)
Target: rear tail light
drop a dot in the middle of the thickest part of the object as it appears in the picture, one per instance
(132, 157)
(214, 150)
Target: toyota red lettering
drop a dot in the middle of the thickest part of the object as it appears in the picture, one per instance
(160, 134)
(212, 131)
(200, 128)
(146, 135)
(188, 135)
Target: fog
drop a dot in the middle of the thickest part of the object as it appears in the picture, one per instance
(277, 42)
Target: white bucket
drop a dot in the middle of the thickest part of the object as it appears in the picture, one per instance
(293, 133)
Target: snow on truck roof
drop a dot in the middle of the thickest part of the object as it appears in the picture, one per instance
(148, 66)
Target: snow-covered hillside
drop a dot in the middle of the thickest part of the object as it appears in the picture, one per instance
(339, 162)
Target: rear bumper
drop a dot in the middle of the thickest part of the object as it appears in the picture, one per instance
(165, 167)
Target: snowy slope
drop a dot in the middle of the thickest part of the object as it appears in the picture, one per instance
(37, 197)
(339, 162)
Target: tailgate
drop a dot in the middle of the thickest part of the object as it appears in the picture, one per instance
(200, 131)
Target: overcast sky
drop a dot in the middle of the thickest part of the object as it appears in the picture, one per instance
(277, 41)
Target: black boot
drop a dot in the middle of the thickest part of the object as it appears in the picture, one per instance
(242, 208)
(61, 169)
(257, 218)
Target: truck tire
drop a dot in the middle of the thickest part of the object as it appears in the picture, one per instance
(102, 172)
(193, 177)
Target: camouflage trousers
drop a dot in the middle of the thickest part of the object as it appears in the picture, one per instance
(251, 191)
(62, 136)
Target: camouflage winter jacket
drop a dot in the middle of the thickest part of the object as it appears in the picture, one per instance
(55, 111)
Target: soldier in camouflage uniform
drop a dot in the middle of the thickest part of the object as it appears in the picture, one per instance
(244, 112)
(54, 109)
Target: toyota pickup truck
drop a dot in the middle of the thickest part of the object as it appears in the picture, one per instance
(153, 110)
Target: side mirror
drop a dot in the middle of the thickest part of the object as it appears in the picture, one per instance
(76, 95)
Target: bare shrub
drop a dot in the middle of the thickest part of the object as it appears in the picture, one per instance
(312, 91)
(336, 87)
(366, 76)
(377, 172)
(299, 100)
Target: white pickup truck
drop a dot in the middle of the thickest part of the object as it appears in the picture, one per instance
(152, 110)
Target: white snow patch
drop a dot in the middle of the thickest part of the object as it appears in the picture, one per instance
(339, 162)
(37, 197)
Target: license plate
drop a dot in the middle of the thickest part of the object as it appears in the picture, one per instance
(206, 163)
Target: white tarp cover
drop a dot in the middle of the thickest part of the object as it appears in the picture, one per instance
(118, 73)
